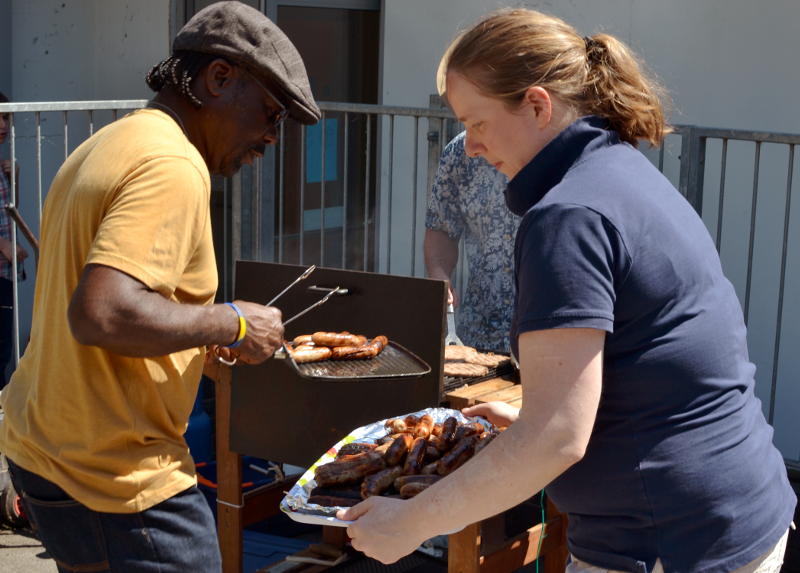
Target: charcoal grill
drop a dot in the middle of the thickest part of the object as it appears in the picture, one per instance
(278, 413)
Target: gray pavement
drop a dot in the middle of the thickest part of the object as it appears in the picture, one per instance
(21, 552)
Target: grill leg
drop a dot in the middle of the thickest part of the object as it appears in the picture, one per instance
(230, 504)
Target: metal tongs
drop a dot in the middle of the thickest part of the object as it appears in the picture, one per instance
(323, 300)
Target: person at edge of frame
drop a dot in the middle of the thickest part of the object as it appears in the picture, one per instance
(7, 254)
(466, 200)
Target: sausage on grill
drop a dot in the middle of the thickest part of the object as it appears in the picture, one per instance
(303, 353)
(338, 339)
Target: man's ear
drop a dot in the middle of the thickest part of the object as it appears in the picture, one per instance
(218, 76)
(542, 106)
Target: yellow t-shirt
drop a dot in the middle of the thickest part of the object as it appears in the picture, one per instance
(106, 428)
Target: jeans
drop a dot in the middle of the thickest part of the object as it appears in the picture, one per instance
(6, 327)
(175, 536)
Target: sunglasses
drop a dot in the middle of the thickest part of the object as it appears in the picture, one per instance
(279, 115)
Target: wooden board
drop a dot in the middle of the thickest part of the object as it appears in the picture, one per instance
(470, 395)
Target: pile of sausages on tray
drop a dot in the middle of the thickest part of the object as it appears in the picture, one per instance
(414, 453)
(334, 346)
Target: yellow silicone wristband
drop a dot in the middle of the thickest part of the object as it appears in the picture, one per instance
(242, 326)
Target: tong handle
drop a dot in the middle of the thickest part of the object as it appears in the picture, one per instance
(323, 300)
(305, 274)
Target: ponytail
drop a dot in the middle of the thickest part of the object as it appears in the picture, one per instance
(617, 89)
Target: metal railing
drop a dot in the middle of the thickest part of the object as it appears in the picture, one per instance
(351, 193)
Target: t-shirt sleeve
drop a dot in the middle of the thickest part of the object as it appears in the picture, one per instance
(154, 222)
(444, 205)
(570, 262)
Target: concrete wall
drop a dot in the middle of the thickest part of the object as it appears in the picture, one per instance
(86, 49)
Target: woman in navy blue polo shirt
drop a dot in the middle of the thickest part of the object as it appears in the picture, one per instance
(639, 414)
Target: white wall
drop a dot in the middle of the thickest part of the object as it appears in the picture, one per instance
(726, 63)
(88, 49)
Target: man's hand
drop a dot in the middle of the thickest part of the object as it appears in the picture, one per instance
(381, 530)
(5, 165)
(6, 251)
(498, 413)
(264, 332)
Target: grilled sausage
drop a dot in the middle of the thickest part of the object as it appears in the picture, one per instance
(348, 491)
(430, 469)
(398, 450)
(370, 350)
(483, 440)
(302, 339)
(379, 482)
(344, 352)
(422, 478)
(332, 501)
(355, 448)
(395, 425)
(460, 453)
(448, 430)
(424, 427)
(350, 469)
(431, 454)
(416, 454)
(413, 488)
(467, 430)
(303, 353)
(338, 339)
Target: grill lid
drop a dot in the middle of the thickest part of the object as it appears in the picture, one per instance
(395, 361)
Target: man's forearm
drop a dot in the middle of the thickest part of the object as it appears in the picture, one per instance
(517, 464)
(158, 327)
(441, 254)
(115, 311)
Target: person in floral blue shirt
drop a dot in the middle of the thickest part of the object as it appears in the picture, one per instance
(467, 200)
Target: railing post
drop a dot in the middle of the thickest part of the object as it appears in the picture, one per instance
(693, 162)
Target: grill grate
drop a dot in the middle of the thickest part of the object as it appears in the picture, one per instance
(451, 383)
(394, 362)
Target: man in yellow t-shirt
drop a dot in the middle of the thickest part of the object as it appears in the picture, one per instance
(123, 313)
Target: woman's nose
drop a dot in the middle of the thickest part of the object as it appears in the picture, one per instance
(472, 146)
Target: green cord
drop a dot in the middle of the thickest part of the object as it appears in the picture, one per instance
(539, 550)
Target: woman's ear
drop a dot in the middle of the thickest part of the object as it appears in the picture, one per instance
(540, 103)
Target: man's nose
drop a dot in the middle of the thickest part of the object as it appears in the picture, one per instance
(271, 136)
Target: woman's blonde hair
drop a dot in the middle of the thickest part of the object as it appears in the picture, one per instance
(512, 50)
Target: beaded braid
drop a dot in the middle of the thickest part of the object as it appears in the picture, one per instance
(178, 70)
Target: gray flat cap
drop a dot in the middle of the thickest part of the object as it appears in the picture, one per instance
(244, 35)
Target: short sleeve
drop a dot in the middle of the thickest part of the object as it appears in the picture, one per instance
(444, 205)
(154, 223)
(570, 262)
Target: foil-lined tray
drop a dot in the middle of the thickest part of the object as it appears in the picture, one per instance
(295, 503)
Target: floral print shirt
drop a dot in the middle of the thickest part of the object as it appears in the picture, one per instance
(467, 200)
